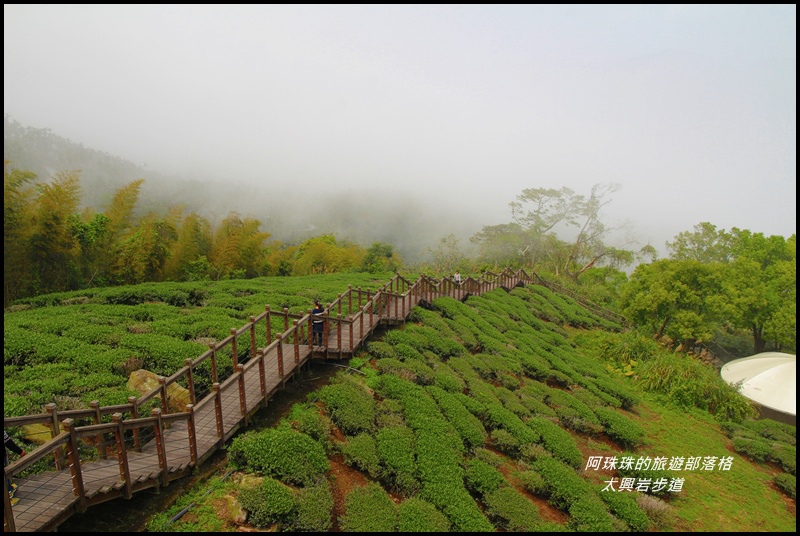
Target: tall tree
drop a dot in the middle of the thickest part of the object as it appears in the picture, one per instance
(238, 248)
(705, 244)
(53, 251)
(17, 214)
(678, 299)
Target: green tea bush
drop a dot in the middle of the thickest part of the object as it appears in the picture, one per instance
(758, 450)
(512, 511)
(624, 506)
(280, 453)
(787, 483)
(785, 456)
(589, 514)
(267, 503)
(532, 482)
(369, 509)
(314, 509)
(563, 486)
(620, 428)
(308, 420)
(381, 350)
(469, 427)
(418, 515)
(361, 452)
(397, 452)
(558, 441)
(350, 407)
(482, 478)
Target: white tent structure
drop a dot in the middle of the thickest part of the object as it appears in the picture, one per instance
(770, 380)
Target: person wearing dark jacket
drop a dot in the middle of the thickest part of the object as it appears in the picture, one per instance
(317, 323)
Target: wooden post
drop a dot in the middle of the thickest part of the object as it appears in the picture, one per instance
(296, 342)
(54, 431)
(122, 455)
(162, 382)
(252, 337)
(158, 430)
(213, 348)
(269, 326)
(190, 379)
(192, 434)
(74, 458)
(235, 348)
(8, 515)
(242, 393)
(262, 376)
(285, 319)
(101, 451)
(339, 334)
(137, 444)
(218, 415)
(280, 358)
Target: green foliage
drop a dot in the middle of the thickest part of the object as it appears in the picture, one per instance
(787, 483)
(512, 511)
(267, 503)
(369, 509)
(620, 428)
(418, 515)
(349, 406)
(396, 449)
(589, 514)
(482, 477)
(624, 506)
(563, 486)
(691, 383)
(558, 441)
(314, 509)
(280, 453)
(361, 452)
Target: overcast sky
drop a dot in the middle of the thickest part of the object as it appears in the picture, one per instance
(691, 109)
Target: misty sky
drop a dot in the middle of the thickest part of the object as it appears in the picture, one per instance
(691, 109)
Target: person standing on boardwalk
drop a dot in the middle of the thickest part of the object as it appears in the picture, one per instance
(9, 444)
(457, 278)
(317, 323)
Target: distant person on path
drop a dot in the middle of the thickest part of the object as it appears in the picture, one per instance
(8, 443)
(457, 278)
(318, 325)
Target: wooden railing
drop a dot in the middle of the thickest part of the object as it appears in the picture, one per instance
(105, 432)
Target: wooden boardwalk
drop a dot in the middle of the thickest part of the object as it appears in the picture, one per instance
(104, 453)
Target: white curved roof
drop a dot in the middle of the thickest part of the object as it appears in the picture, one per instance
(769, 378)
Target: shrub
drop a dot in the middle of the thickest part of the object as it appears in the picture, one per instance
(369, 509)
(267, 503)
(281, 453)
(562, 484)
(787, 483)
(589, 514)
(314, 508)
(558, 441)
(349, 406)
(396, 450)
(620, 428)
(417, 515)
(624, 506)
(513, 511)
(360, 451)
(482, 477)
